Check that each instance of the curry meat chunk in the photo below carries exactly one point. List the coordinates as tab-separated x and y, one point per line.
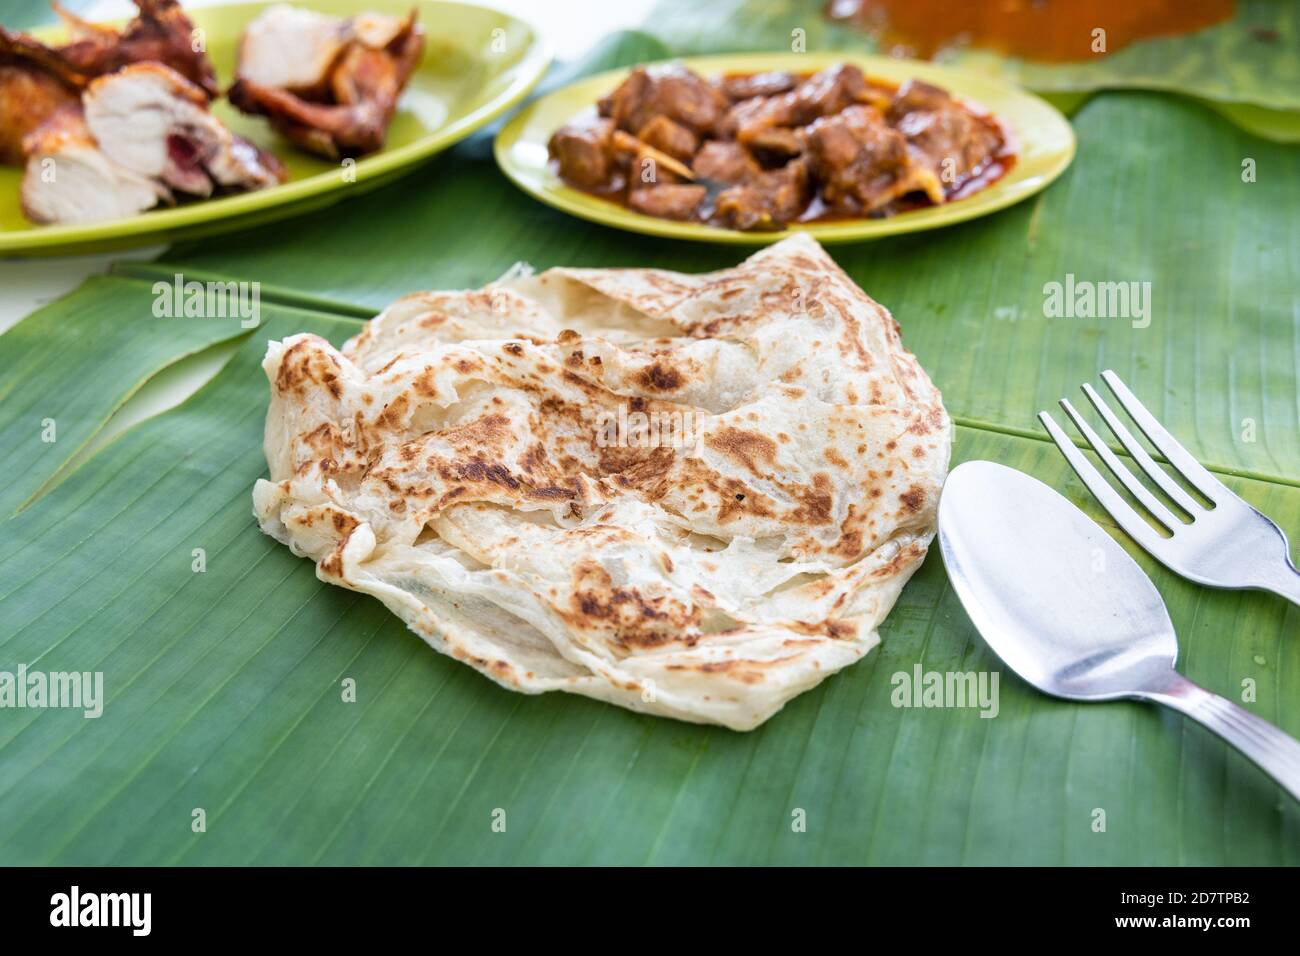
585	153
725	161
822	94
746	86
940	128
754	152
672	91
769	200
669	137
668	201
864	164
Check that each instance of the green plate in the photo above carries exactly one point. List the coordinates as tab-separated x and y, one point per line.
477	64
1044	137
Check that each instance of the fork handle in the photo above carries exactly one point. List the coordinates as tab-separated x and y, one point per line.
1275	752
1284	579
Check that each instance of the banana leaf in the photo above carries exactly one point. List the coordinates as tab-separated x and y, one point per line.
58	391
223	693
224	686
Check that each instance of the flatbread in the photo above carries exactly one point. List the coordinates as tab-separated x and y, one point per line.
476	461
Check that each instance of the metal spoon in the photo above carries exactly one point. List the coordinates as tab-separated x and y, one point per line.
1068	610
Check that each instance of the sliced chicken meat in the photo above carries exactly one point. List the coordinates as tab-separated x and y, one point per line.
138	137
149	119
70	180
291	49
331	85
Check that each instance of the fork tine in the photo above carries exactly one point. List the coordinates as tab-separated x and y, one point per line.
1119	509
1135	487
1177	455
1139	454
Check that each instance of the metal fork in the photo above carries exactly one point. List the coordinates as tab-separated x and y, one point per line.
1227	545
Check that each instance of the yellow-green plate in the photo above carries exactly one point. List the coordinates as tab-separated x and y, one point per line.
1044	137
477	63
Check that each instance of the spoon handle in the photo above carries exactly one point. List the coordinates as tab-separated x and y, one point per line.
1276	753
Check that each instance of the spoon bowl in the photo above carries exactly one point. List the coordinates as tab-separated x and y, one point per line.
1054	595
1068	610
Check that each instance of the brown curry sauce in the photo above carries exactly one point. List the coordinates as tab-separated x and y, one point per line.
1053	31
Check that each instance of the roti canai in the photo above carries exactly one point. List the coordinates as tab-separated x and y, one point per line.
689	495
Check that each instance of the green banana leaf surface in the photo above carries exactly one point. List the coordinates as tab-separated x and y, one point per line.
223	686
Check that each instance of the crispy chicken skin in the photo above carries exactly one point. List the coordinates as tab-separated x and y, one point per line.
759	151
35	83
333	89
28	97
160	33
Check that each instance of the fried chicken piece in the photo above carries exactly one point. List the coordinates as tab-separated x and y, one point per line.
28	98
151	120
291	49
330	85
137	137
35	83
863	164
37	80
160	33
70	180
